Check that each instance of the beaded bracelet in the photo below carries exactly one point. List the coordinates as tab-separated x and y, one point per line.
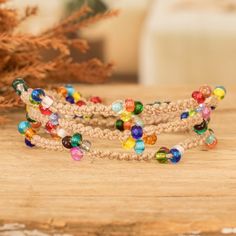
67	116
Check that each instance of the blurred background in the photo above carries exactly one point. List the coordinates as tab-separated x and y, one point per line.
155	41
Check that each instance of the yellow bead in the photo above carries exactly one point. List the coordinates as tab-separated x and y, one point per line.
219	92
126	116
192	113
76	96
129	143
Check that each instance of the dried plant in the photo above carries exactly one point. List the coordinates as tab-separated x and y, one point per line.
22	55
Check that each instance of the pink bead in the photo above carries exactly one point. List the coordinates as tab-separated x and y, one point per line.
76	153
206	113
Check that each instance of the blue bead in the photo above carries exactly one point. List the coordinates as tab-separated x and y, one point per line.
23	126
70	99
36	93
176	155
28	143
139	147
137	132
184	115
70	89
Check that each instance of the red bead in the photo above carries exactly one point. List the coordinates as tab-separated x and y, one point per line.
44	111
50	127
96	100
198	96
80	103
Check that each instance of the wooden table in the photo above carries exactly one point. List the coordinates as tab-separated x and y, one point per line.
47	192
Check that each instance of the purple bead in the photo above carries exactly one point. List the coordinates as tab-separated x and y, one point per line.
70	99
137	132
28	143
76	153
54	118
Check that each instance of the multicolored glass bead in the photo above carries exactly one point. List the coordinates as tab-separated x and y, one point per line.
23	126
76	153
139	146
37	95
211	141
137	132
70	99
161	155
219	92
129	143
129	105
184	115
176	155
206	91
70	90
120	125
200	128
117	107
150	139
28	143
76	140
95	100
44	111
29	133
19	86
66	142
198	96
138	108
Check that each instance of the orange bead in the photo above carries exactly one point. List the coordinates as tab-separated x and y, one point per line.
205	90
129	105
35	125
29	133
127	125
150	139
62	91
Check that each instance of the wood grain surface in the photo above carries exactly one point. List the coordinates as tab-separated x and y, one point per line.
46	193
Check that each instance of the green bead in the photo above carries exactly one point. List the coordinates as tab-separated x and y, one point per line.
76	140
201	128
29	119
161	155
138	107
120	125
19	86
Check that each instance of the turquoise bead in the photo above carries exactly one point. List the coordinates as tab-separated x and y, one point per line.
23	126
70	90
117	107
76	140
139	147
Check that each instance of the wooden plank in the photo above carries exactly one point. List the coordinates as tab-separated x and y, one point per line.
49	192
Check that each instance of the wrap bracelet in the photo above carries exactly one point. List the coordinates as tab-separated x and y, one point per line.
60	119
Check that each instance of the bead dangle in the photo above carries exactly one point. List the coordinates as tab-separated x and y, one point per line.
59	121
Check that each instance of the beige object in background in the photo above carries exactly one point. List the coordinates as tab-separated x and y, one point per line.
192	44
121	35
49	13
